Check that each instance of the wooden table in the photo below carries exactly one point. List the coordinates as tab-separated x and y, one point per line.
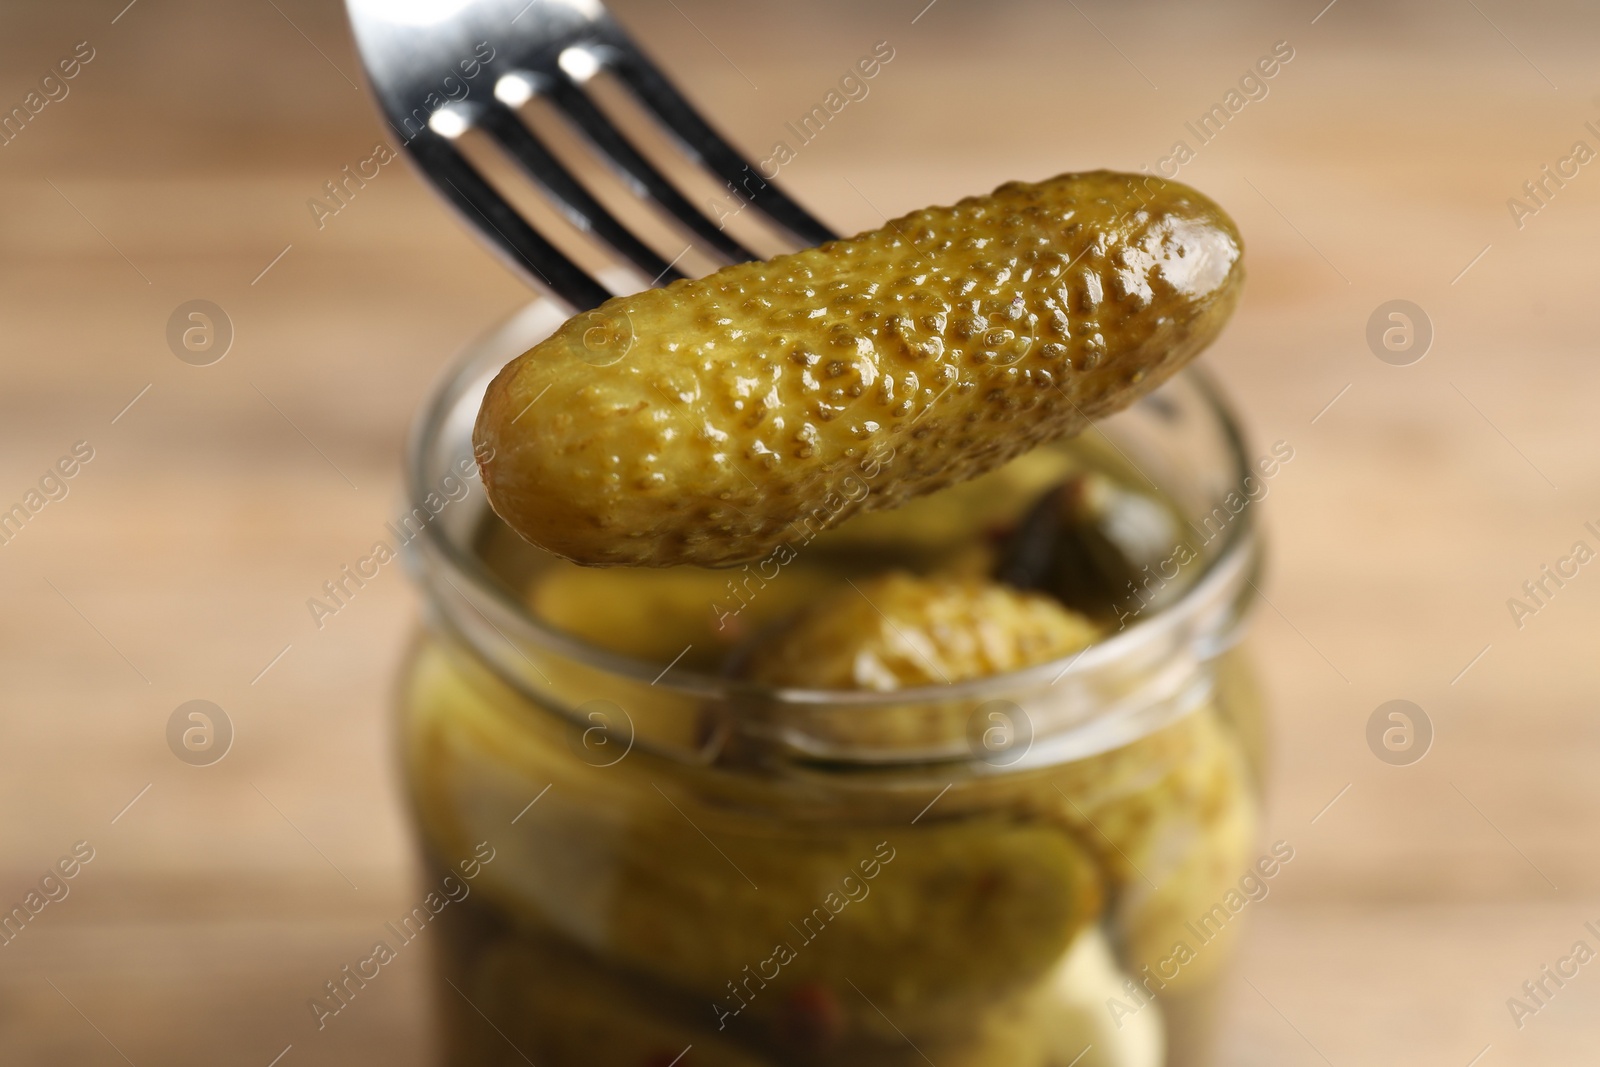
1377	167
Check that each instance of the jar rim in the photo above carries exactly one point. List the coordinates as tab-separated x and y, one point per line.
1235	563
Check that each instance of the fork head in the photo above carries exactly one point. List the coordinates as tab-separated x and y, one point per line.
442	67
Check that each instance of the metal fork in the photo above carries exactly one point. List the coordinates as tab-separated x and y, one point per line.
441	67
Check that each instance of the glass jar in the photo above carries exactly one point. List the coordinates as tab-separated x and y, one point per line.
637	861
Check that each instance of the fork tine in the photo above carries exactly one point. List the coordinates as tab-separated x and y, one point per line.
584	211
649	181
499	222
661	97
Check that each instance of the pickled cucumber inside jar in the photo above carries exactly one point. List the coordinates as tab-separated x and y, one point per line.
712	887
1170	817
811	944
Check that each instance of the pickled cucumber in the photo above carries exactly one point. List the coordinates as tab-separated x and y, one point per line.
1173	818
655	615
708	421
645	866
897	631
953	915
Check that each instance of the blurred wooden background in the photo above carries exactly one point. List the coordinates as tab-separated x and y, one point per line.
1378	167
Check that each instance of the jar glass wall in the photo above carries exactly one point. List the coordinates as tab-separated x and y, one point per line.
651	861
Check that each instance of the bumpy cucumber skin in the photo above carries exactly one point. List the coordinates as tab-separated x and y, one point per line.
898	631
710	421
